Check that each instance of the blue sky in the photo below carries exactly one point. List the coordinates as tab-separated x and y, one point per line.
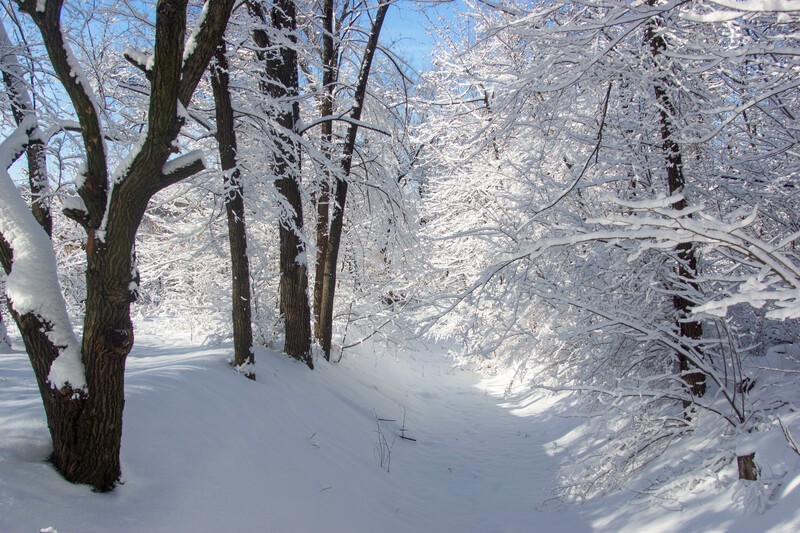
406	28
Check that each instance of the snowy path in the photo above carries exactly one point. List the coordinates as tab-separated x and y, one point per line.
205	450
476	466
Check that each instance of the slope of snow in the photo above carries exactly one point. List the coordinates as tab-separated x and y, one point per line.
206	450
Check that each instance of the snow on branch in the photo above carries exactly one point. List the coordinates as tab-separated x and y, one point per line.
760	6
653	224
182	167
32	284
184	161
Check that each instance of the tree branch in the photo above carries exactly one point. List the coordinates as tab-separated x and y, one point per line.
201	44
94	189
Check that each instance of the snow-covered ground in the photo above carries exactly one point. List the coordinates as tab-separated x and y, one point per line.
206	450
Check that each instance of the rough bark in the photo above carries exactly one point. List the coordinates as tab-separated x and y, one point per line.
340	198
86	429
686	268
234	207
282	84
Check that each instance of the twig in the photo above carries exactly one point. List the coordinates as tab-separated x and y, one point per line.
792	443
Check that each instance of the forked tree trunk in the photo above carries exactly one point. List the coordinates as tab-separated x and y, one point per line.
86	429
86	425
281	83
340	198
234	207
686	269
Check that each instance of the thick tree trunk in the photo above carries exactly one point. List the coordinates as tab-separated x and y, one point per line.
337	216
234	207
686	268
282	84
86	426
85	429
107	341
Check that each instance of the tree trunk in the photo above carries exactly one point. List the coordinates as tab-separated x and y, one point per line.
234	207
85	429
5	342
337	217
282	84
86	426
747	467
322	201
690	330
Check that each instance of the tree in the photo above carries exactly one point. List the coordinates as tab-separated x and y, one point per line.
234	208
687	267
590	159
22	108
84	405
280	82
331	259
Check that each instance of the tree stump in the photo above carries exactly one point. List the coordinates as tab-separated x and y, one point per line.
747	467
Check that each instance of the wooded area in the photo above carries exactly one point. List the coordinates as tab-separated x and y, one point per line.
601	195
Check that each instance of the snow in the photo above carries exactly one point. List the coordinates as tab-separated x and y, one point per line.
182	161
760	6
206	450
32	286
191	41
141	58
74	203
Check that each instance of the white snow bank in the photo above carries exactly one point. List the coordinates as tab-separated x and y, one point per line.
207	450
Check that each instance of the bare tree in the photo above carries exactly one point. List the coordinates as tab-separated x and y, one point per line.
330	263
85	419
281	82
234	207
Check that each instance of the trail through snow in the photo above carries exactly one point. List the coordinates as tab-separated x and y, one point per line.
206	450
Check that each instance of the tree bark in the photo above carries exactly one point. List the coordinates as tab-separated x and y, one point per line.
747	467
686	268
337	216
322	200
234	207
282	84
86	426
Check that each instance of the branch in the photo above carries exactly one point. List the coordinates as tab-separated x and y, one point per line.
343	118
94	188
181	168
140	61
201	44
